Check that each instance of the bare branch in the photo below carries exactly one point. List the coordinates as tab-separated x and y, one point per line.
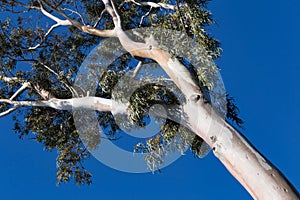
10	79
145	15
100	17
69	87
71	22
2	114
58	21
153	5
87	103
51	70
43	93
44	37
20	90
118	22
137	69
77	13
65	22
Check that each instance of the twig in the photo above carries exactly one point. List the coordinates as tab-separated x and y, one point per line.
137	69
77	13
72	90
145	15
100	17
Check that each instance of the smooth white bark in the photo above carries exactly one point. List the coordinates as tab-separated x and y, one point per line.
259	177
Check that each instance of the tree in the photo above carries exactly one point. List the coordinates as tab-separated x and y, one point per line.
37	82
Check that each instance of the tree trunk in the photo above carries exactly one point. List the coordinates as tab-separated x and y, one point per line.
257	175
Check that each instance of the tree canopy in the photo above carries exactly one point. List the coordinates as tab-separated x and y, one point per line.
43	44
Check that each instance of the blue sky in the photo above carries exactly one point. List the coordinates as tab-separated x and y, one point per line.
260	67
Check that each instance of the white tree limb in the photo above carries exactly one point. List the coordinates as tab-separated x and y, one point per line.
10	79
87	103
58	21
77	13
137	69
153	4
43	93
100	17
145	15
7	112
258	176
20	90
69	22
61	22
44	37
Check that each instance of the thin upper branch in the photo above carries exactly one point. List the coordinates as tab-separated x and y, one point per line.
69	22
44	37
7	112
69	87
20	90
153	4
85	28
137	69
59	22
99	18
42	92
77	13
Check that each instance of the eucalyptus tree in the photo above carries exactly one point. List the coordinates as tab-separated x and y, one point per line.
39	63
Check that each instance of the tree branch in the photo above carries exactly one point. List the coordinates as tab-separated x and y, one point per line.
43	93
71	22
20	90
67	22
153	5
7	112
87	103
44	37
58	21
100	17
145	15
69	87
77	13
10	79
137	69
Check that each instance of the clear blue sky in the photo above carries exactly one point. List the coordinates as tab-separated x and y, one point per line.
260	68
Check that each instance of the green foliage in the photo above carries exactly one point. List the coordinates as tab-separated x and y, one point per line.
63	51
